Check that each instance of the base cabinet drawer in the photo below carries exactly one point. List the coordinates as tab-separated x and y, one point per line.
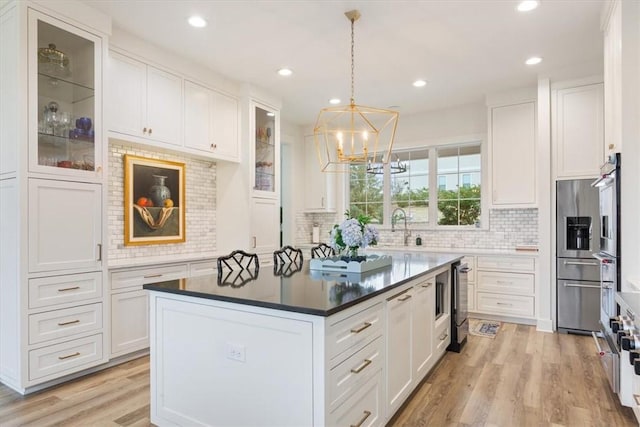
142	276
508	305
64	323
65	358
363	408
442	335
203	268
355	330
51	291
506	263
512	283
349	375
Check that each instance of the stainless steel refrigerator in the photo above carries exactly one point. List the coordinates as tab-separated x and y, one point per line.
578	273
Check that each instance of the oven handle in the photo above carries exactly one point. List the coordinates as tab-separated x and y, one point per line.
595	339
576	285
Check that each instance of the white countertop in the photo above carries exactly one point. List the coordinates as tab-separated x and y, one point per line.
465	251
139	262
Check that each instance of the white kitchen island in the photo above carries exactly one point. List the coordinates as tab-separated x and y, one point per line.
311	349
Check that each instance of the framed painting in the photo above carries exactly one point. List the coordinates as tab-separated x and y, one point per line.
154	201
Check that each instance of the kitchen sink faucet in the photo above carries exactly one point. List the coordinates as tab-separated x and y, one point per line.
407	232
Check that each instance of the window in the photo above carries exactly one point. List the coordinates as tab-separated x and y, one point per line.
459	204
410	189
365	190
441	186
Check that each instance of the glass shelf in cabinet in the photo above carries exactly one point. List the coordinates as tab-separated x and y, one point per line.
63	90
54	140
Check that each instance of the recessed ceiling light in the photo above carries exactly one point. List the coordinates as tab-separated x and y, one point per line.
334	101
533	60
270	114
528	5
197	21
419	83
285	72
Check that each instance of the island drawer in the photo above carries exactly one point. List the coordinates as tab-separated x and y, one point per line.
348	376
66	322
354	331
65	358
203	268
508	305
363	408
511	283
141	276
50	291
442	334
506	263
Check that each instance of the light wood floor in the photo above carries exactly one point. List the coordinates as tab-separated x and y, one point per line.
520	378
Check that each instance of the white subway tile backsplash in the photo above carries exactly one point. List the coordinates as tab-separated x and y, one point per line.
507	229
200	196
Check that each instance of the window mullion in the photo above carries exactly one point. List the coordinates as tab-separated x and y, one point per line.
433	188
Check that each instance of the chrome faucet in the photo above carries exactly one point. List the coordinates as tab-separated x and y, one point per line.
407	232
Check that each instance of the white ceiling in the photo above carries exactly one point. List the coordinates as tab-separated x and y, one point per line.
464	49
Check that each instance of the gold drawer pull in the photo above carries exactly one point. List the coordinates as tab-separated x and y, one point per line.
77	353
404	298
505	282
366	415
359	369
151	276
443	336
637	399
71	322
73	288
361	328
428	285
504	303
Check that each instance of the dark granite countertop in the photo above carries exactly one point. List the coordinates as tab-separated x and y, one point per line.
307	291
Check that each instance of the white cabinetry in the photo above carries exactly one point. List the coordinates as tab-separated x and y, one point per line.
144	101
320	186
130	305
613	80
578	131
423	315
512	155
506	286
211	122
76	240
399	349
264	228
52	303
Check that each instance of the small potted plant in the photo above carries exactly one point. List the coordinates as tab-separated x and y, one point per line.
351	235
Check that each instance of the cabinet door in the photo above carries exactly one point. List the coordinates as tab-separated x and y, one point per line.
126	95
164	106
197	117
513	154
65	100
129	322
399	369
265	225
224	131
321	184
579	131
65	225
266	151
423	317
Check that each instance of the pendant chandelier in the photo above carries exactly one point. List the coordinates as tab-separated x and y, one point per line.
354	134
394	167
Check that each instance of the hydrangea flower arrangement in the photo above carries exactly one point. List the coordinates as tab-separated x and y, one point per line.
352	234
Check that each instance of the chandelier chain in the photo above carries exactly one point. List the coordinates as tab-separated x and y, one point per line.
352	62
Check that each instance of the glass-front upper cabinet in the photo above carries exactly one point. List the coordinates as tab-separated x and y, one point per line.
65	119
266	151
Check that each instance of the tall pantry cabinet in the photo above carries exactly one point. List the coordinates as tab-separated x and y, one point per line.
52	193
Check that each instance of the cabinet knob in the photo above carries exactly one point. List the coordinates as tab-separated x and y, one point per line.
611	146
214	146
150	130
144	130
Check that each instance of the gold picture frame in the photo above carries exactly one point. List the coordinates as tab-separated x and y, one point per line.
147	183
